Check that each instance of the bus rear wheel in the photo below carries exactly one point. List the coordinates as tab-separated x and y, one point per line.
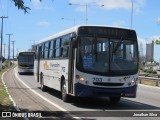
43	87
65	97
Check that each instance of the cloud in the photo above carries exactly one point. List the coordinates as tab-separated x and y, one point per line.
42	23
81	9
153	38
119	23
115	4
112	4
142	45
158	21
141	41
38	5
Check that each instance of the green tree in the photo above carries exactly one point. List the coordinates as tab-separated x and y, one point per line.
21	5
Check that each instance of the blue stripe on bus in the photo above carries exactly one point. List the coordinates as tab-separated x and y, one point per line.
88	91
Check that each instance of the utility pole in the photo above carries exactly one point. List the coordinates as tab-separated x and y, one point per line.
9	47
4	50
131	14
13	49
2	36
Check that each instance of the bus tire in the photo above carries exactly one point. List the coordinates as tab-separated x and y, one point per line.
65	97
114	99
43	87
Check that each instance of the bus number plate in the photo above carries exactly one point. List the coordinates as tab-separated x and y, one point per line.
97	79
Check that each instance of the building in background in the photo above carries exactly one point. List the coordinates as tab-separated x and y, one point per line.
150	52
141	49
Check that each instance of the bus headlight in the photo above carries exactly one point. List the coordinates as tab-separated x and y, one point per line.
133	82
81	78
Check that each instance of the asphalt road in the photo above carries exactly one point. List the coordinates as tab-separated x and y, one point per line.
27	95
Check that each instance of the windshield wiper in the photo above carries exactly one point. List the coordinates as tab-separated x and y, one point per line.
95	48
119	43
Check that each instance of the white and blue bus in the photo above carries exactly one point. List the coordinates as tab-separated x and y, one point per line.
26	62
89	61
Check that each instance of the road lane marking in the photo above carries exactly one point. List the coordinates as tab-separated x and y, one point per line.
133	102
62	109
10	97
52	103
154	87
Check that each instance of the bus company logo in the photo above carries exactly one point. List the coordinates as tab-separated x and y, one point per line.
46	65
54	65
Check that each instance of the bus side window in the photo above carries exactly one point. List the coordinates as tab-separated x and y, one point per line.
57	48
46	49
39	53
42	51
51	49
36	52
65	46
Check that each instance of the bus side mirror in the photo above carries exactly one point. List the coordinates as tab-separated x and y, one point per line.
74	42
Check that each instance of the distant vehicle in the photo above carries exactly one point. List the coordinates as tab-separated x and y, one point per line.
89	61
26	62
1	62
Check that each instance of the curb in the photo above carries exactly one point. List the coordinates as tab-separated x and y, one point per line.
10	97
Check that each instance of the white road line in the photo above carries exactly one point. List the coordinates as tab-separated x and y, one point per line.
14	104
62	109
154	87
52	103
134	102
10	97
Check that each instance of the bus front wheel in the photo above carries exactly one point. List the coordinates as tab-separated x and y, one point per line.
65	97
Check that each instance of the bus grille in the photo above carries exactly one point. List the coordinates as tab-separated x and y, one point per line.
108	84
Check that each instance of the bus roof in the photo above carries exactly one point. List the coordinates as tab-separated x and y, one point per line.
74	29
26	52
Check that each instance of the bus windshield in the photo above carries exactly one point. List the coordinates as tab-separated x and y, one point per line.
107	56
26	59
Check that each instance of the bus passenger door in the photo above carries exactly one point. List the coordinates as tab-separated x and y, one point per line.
38	61
71	67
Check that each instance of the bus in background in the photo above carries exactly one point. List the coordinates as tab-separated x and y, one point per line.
26	62
89	61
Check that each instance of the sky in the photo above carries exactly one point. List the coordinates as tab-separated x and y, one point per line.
51	16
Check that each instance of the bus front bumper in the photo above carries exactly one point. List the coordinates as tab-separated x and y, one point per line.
25	70
88	91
